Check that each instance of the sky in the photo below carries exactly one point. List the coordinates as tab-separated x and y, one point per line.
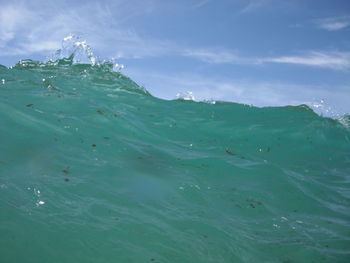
260	52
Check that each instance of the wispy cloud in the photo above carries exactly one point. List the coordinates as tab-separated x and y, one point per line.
216	56
254	4
37	28
201	3
12	19
332	60
333	23
335	60
27	28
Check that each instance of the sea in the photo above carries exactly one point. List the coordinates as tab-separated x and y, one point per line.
93	168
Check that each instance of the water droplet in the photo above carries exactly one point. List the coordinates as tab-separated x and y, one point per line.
187	95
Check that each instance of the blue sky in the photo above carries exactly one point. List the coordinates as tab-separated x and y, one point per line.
261	52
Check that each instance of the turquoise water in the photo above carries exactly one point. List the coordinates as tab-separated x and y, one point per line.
95	169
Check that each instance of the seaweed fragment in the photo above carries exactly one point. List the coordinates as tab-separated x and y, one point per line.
229	151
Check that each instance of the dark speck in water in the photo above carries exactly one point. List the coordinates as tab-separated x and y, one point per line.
229	151
29	105
66	179
253	203
65	171
93	145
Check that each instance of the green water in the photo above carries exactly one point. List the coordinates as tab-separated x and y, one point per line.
95	169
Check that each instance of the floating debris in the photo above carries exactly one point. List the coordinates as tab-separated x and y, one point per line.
229	151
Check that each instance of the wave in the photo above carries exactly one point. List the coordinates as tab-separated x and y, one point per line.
96	169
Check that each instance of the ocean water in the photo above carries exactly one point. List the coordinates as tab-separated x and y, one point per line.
95	169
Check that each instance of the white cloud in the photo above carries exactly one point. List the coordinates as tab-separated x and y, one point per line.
254	4
333	24
201	3
39	27
12	18
335	60
331	60
218	56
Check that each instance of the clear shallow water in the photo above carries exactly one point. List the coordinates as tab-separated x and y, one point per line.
95	169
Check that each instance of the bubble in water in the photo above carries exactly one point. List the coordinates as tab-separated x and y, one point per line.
40	203
118	66
68	38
